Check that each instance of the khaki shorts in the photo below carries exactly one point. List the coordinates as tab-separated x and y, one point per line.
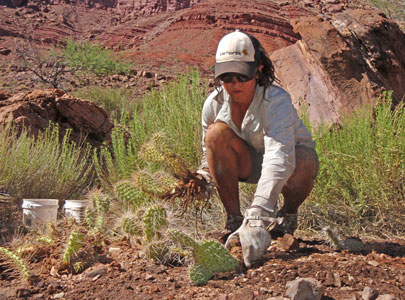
257	161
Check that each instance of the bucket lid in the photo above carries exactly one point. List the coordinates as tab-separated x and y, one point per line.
75	203
27	203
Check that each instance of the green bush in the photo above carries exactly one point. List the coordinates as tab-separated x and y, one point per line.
42	167
94	58
360	186
175	110
115	101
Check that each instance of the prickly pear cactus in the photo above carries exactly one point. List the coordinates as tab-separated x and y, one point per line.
209	257
154	220
130	194
99	201
150	154
157	250
90	216
182	239
158	150
199	275
177	166
75	242
16	261
131	226
166	180
342	243
217	258
147	183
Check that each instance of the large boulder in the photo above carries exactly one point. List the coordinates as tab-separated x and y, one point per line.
35	110
341	62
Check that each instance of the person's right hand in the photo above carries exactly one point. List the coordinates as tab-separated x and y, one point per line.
253	234
210	184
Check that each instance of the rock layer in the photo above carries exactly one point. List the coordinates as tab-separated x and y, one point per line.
330	55
35	110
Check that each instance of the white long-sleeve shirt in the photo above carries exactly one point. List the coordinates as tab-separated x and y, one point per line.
271	125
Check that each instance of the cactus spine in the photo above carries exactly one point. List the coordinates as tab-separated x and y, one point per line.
17	261
209	257
75	242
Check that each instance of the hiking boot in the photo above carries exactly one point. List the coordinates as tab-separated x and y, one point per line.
289	225
233	222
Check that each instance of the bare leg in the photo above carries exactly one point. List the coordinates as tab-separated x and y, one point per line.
301	182
228	159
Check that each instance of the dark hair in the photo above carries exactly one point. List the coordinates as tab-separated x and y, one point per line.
266	75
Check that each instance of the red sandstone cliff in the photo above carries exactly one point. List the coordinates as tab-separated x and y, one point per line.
328	54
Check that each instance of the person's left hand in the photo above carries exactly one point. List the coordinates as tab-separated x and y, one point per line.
253	234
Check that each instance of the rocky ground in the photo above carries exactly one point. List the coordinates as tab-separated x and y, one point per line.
163	41
119	270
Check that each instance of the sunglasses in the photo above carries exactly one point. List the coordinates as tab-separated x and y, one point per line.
227	77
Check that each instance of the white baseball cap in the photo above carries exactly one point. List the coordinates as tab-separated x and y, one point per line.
235	54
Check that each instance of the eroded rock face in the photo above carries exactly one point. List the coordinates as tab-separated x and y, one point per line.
330	55
34	110
342	62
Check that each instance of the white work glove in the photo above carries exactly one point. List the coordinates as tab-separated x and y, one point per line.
210	184
254	234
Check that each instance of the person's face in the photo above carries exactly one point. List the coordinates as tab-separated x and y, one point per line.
240	87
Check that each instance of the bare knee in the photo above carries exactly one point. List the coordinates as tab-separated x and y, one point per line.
218	134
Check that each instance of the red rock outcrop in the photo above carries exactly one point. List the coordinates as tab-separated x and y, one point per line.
35	110
342	62
331	54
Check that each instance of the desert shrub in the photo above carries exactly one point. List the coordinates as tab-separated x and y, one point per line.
42	166
394	9
115	101
94	58
360	186
175	110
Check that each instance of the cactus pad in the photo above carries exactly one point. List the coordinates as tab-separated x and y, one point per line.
131	226
75	242
130	194
154	220
199	275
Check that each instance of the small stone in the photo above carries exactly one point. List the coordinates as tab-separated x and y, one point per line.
387	297
96	277
369	293
59	295
304	288
373	263
97	272
288	242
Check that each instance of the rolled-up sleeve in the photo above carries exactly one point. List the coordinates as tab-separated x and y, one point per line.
279	153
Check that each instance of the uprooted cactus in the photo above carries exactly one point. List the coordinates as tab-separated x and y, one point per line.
158	150
130	195
189	188
209	257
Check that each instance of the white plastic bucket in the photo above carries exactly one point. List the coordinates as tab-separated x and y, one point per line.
39	211
75	209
